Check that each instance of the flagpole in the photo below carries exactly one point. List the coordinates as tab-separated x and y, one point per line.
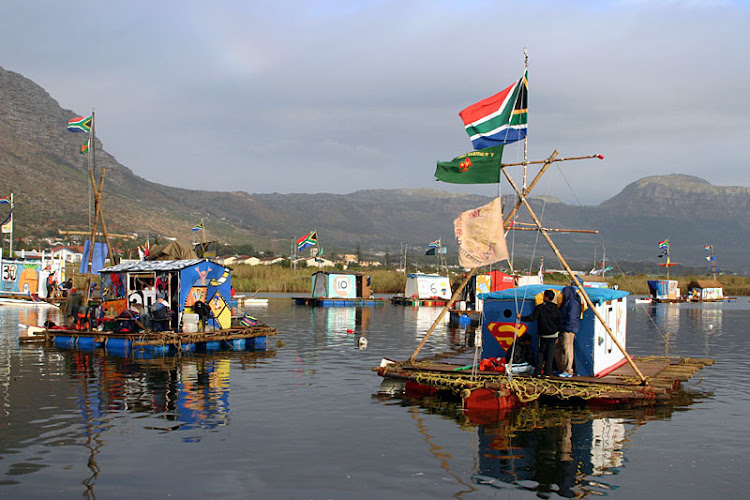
10	246
526	137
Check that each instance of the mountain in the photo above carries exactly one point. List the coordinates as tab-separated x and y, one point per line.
41	165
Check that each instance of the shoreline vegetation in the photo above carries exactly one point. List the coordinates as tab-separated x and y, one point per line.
253	280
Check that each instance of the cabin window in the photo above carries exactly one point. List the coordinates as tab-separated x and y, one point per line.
507	313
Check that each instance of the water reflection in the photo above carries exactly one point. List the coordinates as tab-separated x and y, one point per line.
569	451
186	394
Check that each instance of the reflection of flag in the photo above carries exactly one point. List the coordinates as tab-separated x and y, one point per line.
80	124
307	240
477	167
499	119
480	236
197	227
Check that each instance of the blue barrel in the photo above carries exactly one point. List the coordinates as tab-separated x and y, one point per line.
236	344
118	344
257	343
464	320
64	341
213	345
187	347
87	343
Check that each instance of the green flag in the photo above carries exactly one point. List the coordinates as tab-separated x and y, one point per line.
478	167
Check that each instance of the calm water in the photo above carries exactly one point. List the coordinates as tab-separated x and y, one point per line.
304	420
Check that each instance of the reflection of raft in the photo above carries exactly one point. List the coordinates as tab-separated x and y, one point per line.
253	337
495	391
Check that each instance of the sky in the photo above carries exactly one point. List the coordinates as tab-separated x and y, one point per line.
339	96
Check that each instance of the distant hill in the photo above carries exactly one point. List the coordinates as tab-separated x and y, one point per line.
40	163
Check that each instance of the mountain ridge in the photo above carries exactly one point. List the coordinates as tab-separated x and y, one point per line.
40	163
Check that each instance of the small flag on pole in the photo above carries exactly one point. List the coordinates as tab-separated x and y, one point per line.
435	243
664	243
476	167
80	124
198	227
5	200
307	240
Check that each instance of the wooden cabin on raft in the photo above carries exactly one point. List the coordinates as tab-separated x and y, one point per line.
340	288
424	290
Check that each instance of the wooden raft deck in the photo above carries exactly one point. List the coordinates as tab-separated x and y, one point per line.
663	374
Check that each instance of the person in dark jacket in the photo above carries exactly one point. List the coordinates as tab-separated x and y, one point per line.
547	317
570	315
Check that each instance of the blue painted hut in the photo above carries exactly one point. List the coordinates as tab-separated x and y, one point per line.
596	354
181	282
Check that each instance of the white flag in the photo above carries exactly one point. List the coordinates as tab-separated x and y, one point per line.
480	235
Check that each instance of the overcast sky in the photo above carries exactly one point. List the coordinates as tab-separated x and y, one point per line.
338	96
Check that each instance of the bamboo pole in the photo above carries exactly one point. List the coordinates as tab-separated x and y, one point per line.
551	230
542	170
575	279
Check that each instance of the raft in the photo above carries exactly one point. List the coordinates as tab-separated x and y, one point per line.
493	391
254	338
338	302
400	300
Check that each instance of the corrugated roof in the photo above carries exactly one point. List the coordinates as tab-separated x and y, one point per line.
704	284
153	265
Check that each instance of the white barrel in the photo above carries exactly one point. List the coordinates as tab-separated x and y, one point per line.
189	323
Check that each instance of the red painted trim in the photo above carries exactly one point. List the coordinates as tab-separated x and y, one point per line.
612	368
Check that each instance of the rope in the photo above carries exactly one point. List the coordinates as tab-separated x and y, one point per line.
663	334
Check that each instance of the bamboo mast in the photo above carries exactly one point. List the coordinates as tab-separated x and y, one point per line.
575	279
546	163
525	137
98	214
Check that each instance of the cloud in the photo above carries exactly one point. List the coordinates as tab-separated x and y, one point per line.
341	96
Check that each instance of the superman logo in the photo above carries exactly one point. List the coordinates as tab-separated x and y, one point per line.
504	333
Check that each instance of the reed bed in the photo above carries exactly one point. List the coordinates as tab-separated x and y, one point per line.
286	280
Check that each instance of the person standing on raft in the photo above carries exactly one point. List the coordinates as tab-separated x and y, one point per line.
547	316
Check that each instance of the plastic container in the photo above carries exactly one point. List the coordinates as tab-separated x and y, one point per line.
189	323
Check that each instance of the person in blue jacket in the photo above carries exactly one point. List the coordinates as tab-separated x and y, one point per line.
570	315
